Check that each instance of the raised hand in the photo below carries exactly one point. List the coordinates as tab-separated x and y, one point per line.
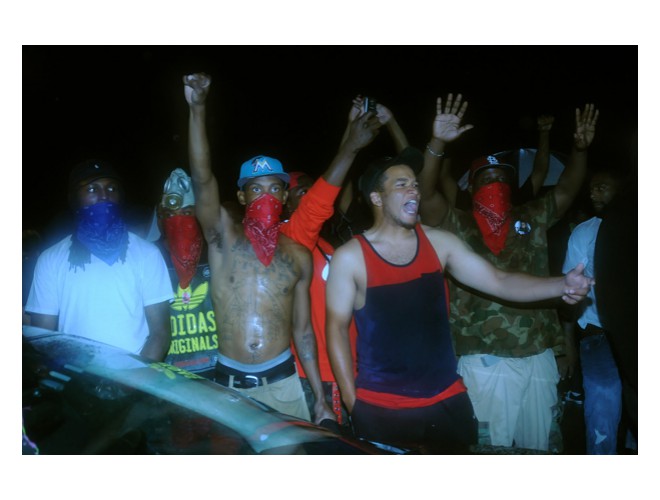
362	130
382	112
585	126
447	124
356	109
544	123
196	88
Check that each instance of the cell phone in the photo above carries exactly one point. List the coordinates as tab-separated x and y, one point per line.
369	104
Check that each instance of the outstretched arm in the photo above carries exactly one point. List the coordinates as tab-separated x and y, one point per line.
212	217
476	272
446	128
572	177
542	156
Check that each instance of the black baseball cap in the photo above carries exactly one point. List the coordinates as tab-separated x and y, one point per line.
89	170
489	161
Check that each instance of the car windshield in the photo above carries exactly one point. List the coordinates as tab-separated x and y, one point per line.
80	396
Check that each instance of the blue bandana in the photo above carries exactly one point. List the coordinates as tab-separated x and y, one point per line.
102	231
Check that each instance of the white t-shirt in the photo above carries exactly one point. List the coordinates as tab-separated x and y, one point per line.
101	302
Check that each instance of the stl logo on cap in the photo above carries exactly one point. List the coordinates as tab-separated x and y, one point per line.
492	160
260	165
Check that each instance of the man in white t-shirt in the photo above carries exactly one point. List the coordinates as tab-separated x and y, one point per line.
103	282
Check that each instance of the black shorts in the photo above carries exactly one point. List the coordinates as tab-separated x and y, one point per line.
449	426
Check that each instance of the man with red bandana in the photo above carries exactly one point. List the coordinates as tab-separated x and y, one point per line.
260	278
507	352
177	233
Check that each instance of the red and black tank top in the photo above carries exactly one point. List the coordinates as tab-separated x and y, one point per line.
405	356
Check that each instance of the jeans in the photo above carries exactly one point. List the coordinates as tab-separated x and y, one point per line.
602	395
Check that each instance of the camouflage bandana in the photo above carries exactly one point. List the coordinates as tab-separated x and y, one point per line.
491	206
184	240
102	231
262	226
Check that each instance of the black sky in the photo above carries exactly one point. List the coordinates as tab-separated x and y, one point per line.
126	104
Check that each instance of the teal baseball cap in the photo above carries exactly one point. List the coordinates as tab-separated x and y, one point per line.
260	166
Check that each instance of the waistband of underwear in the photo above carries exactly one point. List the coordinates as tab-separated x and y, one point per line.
269	368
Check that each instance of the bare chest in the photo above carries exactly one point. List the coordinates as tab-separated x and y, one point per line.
397	254
237	270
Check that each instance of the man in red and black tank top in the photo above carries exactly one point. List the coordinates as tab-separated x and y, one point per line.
391	280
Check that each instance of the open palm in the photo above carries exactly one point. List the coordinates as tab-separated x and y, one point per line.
585	126
447	124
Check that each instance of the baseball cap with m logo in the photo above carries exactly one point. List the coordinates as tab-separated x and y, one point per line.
260	166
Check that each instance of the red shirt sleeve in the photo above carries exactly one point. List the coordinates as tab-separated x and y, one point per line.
316	207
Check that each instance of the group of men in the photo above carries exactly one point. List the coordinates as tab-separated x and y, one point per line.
260	302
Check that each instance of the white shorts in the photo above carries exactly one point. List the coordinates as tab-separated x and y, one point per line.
513	397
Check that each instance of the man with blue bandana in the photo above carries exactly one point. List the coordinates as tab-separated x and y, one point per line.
103	282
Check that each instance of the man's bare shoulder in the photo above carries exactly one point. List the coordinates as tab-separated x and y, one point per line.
348	253
289	245
351	246
300	253
435	232
348	269
443	241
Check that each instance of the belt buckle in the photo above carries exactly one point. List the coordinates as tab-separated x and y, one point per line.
251	381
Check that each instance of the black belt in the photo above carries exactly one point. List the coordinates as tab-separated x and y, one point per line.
591	330
243	380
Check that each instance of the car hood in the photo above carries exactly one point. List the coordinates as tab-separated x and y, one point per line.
261	426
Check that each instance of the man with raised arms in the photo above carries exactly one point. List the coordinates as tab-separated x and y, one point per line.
259	278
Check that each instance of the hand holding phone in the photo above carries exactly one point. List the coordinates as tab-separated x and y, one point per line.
369	104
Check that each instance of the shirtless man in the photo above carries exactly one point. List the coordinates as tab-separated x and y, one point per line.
391	280
259	278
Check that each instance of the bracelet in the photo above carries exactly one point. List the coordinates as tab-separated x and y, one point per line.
437	155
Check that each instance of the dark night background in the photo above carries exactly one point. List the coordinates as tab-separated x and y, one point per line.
126	104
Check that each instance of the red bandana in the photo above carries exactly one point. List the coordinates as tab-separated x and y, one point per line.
491	205
184	240
262	226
